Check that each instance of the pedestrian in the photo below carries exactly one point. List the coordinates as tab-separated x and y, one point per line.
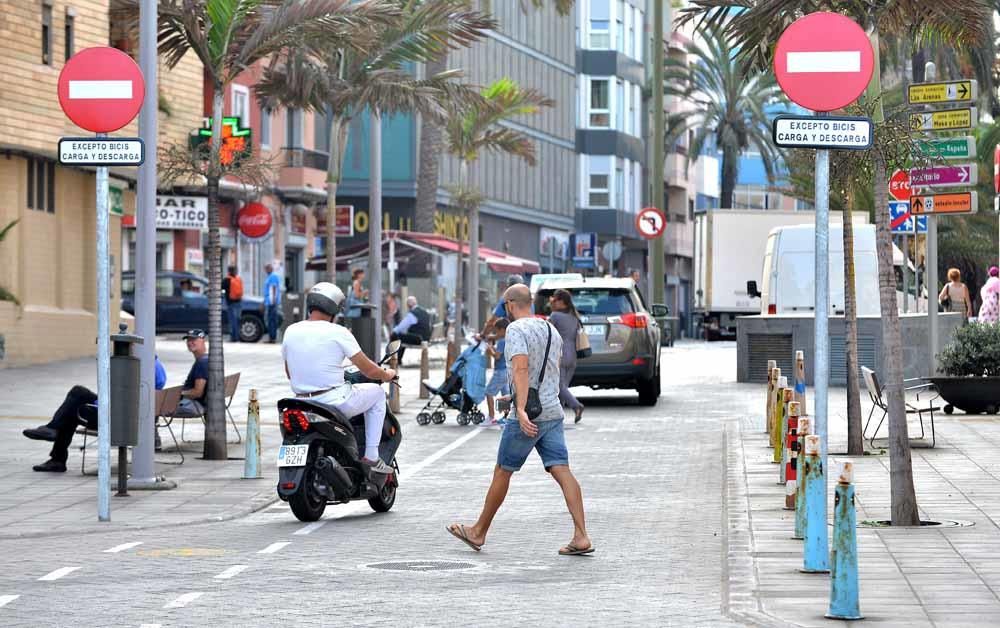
357	294
954	297
414	329
566	319
499	384
390	310
499	311
232	286
195	388
989	311
272	301
532	353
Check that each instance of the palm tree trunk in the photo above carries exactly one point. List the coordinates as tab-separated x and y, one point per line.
473	263
463	176
855	438
215	409
338	144
730	170
431	144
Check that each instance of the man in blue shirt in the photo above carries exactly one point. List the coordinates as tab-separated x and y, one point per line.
272	301
500	310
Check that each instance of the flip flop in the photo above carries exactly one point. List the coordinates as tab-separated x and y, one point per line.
463	537
572	550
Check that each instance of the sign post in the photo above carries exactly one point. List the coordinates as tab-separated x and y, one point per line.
101	90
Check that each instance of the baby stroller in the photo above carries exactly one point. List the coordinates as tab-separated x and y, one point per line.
464	389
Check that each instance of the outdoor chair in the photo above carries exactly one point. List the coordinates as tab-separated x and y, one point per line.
230	384
874	387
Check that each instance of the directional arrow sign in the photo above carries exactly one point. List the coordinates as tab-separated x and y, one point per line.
944	176
944	120
950	148
949	91
958	203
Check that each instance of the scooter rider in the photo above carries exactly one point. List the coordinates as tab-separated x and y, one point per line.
314	351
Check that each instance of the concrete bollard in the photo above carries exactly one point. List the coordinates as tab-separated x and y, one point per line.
805	425
790	454
800	381
771	365
779	413
251	463
815	550
393	388
844	603
425	369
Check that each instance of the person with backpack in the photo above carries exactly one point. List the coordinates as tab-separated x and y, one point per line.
232	287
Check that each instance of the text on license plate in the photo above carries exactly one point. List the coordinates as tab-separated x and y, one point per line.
292	455
594	330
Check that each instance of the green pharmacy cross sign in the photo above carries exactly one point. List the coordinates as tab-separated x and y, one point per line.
236	141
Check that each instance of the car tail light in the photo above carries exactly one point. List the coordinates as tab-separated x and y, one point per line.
772	309
635	320
639	361
295	418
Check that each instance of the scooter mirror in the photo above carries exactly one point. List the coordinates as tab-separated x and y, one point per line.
393	348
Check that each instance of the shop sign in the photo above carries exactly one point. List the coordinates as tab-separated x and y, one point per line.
195	257
548	236
584	250
345	222
182	212
254	220
451	225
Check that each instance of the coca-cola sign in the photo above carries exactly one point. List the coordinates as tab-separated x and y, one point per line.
254	220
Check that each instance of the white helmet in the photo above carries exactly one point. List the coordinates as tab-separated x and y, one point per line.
324	297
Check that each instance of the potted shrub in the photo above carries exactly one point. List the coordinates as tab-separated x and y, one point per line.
972	365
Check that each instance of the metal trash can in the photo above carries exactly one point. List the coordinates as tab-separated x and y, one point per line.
124	389
364	329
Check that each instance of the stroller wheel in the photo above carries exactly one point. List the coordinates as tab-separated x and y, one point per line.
423	418
478	418
438	417
463	418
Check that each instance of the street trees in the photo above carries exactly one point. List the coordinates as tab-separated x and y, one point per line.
730	104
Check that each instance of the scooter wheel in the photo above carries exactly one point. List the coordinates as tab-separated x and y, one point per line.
423	418
438	417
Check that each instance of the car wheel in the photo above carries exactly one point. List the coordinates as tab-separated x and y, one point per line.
251	328
649	391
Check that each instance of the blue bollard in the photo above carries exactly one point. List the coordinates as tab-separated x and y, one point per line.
815	550
800	487
844	555
251	464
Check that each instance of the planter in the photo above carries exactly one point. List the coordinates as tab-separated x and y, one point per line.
972	395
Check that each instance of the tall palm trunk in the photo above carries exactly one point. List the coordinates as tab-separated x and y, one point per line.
431	145
339	128
215	409
855	438
473	262
730	171
463	177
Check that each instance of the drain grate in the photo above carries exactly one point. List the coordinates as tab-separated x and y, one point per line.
422	565
884	524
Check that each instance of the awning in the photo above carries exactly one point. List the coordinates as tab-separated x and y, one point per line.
498	261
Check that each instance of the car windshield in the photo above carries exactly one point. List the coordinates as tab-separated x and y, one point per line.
591	301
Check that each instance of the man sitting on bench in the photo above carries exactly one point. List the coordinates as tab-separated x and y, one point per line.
415	327
195	387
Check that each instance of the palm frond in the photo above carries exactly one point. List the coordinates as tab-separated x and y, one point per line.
6	230
431	29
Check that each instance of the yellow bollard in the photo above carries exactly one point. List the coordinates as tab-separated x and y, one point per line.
425	370
775	376
771	365
781	391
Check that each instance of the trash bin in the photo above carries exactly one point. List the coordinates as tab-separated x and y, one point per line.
363	327
291	311
124	389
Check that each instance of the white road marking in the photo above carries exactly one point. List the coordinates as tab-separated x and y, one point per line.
839	61
235	570
92	90
184	600
122	547
409	472
150	625
58	573
274	547
7	599
309	529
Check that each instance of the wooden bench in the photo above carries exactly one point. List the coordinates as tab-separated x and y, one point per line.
874	387
230	385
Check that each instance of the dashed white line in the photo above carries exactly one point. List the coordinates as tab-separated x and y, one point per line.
150	625
58	573
122	547
7	599
184	600
274	547
312	527
232	571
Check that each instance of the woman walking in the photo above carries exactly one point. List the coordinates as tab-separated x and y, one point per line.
955	294
989	311
357	294
566	320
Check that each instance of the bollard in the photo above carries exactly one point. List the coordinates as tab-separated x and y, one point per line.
771	365
778	412
251	464
800	381
805	425
790	467
815	551
844	602
425	370
393	387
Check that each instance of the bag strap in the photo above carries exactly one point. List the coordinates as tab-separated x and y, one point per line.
545	362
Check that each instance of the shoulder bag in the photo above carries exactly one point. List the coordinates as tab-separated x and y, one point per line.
533	407
582	342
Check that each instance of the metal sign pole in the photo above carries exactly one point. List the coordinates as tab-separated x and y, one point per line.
821	369
930	74
103	350
906	268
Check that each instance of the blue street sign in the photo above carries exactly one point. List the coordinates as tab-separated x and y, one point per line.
584	248
901	220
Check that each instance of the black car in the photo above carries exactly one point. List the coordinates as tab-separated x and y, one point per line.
182	304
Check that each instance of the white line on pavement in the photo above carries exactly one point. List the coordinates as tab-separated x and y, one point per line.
232	571
150	625
409	472
312	527
122	547
274	547
7	599
58	573
184	600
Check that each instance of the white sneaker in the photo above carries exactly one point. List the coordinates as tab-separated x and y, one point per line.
379	466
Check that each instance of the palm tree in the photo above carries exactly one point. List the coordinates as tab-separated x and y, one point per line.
345	80
729	105
470	131
228	36
7	295
755	30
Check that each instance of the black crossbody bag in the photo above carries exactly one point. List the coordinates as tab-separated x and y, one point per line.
533	407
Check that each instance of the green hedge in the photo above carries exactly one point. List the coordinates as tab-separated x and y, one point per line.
974	352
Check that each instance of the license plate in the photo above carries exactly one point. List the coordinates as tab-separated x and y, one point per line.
293	455
594	330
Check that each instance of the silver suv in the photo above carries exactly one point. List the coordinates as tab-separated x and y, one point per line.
624	335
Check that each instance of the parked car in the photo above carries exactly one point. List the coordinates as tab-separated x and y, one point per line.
624	335
182	304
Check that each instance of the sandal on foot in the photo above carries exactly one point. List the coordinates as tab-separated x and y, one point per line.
572	550
460	534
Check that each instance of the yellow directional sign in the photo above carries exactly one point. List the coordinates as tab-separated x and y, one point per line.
946	120
949	91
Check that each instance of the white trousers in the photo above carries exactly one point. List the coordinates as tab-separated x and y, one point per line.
367	399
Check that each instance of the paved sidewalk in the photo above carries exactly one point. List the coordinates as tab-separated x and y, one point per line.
36	504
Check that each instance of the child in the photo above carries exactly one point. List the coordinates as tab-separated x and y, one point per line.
498	384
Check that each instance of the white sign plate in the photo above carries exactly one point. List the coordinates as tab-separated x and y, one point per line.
105	151
182	212
822	132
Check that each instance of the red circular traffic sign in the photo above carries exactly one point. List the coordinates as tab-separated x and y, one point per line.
899	185
101	89
254	220
650	223
823	61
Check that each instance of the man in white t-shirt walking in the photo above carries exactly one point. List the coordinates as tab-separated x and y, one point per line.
315	350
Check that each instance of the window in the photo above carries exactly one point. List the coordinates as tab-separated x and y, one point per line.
641	39
620	184
620	105
631	120
47	34
599	181
70	34
630	43
293	134
634	201
637	109
42	185
321	132
51	180
600	103
265	128
600	24
620	26
241	104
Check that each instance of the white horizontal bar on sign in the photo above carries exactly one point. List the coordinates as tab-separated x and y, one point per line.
840	61
100	90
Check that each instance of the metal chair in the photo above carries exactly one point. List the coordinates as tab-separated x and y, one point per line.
878	402
230	384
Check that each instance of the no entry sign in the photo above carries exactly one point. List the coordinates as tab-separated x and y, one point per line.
101	89
650	223
899	185
823	61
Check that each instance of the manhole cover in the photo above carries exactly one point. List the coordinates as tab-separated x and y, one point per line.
422	565
885	524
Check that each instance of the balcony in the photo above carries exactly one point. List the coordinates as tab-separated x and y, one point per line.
305	158
675	170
